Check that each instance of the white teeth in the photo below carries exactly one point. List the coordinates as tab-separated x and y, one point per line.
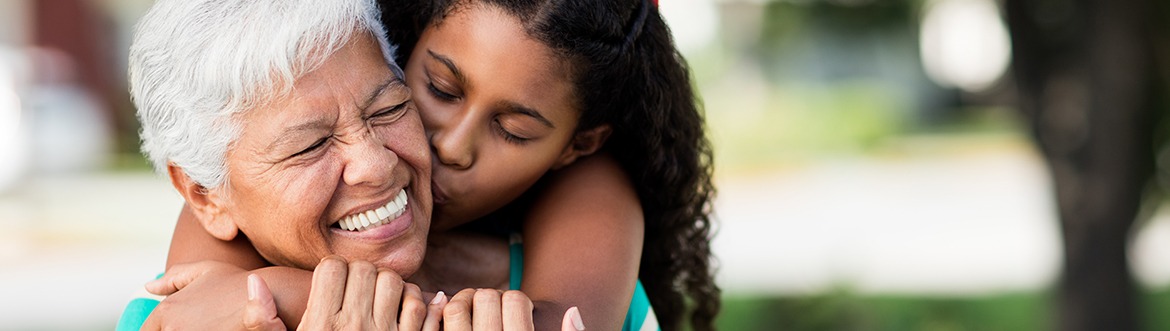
365	221
374	219
377	216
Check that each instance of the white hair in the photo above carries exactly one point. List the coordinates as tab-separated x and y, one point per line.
196	64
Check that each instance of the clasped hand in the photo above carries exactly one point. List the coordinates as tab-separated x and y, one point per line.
347	296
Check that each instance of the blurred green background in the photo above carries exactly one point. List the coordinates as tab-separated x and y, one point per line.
875	169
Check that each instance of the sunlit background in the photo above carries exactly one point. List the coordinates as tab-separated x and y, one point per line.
872	171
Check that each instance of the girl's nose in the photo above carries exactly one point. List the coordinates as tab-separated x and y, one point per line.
454	145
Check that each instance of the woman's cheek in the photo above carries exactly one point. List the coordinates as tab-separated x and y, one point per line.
407	139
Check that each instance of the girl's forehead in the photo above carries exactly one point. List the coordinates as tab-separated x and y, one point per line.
492	53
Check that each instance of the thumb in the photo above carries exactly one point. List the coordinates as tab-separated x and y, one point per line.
175	279
572	320
260	312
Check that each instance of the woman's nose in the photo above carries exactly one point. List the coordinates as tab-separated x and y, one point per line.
369	163
454	146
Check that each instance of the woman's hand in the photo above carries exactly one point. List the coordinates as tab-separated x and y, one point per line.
493	310
358	296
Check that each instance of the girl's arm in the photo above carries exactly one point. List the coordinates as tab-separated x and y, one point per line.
191	243
214	294
583	245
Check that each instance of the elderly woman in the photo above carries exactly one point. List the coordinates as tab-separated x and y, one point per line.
287	122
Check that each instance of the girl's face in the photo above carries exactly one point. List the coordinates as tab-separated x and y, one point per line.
497	107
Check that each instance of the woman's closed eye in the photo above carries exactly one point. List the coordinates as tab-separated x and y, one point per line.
391	113
316	146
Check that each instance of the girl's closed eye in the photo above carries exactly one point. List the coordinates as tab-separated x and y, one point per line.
437	93
508	135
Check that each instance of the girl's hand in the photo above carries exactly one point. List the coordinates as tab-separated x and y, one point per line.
179	276
358	296
494	310
210	297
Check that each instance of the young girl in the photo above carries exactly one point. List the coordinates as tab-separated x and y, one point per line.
576	117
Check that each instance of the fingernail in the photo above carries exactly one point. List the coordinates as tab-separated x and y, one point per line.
253	286
438	298
575	315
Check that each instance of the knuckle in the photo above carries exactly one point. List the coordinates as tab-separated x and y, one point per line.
486	294
331	264
456	310
411	287
362	268
413	307
513	297
387	275
464	295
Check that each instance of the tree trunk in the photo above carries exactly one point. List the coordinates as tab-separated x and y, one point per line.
1088	84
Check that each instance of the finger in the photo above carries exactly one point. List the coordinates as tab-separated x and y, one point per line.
387	294
457	313
176	279
517	311
435	312
485	314
260	312
572	320
327	292
414	311
359	291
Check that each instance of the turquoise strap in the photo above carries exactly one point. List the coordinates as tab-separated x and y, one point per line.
516	262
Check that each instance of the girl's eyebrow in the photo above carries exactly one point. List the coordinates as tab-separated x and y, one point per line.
450	65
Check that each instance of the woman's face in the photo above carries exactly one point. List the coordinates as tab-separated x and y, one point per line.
497	106
343	146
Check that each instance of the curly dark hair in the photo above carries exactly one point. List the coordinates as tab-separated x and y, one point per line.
628	74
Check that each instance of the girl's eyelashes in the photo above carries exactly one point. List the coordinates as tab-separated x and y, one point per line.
439	93
508	136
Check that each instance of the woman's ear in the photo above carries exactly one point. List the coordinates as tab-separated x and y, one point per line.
584	143
208	207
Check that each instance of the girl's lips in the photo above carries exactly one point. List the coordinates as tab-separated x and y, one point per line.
437	194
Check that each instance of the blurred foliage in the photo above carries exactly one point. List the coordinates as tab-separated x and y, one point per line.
846	311
825	78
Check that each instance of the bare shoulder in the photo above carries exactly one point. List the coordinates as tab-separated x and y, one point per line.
597	181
